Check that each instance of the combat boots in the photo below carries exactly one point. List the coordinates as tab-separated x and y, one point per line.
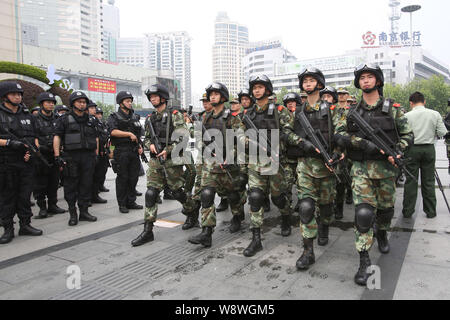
307	257
364	262
383	242
204	238
73	220
54	209
255	245
97	199
27	230
339	211
43	213
223	205
191	219
145	236
8	235
323	234
86	216
285	225
235	223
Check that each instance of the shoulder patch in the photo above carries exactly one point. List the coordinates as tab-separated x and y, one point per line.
175	111
234	114
332	107
396	105
280	108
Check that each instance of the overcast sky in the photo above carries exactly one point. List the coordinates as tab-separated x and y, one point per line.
308	29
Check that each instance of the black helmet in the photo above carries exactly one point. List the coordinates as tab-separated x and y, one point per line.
244	93
91	104
76	96
262	79
98	110
122	95
313	72
292	96
45	96
158	89
9	87
331	91
35	109
372	68
218	87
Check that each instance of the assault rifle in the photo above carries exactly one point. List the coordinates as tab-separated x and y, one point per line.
379	138
154	139
319	142
34	151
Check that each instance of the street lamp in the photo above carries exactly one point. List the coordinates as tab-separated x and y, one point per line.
411	9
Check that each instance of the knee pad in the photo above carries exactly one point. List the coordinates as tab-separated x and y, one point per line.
234	198
256	199
326	210
207	197
307	208
279	201
150	197
180	195
364	216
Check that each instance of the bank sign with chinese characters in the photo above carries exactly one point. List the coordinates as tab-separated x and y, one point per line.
393	39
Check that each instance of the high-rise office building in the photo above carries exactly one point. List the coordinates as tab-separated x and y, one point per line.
161	51
231	40
10	48
111	31
72	26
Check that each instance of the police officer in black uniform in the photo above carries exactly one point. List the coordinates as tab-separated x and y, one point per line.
101	161
77	132
60	110
16	169
125	130
46	180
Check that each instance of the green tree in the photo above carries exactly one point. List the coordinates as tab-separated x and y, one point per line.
108	109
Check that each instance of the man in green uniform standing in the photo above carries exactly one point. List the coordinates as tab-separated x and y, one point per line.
426	124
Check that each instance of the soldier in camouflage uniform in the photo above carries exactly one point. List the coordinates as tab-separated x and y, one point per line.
316	182
217	176
329	94
263	182
291	101
303	96
342	189
165	122
373	174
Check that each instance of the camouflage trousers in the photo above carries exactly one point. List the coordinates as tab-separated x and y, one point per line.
157	179
189	177
274	186
290	176
323	192
380	194
198	182
224	186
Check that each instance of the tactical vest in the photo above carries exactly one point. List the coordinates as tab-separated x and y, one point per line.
128	125
102	130
379	117
163	126
45	130
320	120
221	123
79	136
20	124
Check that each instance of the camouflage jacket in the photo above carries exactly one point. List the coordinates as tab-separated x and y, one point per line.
178	123
378	169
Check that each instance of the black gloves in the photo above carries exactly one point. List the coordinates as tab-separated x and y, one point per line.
15	145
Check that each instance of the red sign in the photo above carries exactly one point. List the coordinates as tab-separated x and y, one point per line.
369	38
99	85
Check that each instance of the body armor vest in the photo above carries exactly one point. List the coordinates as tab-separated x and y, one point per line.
130	124
221	123
379	117
163	126
45	131
79	136
20	124
320	120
